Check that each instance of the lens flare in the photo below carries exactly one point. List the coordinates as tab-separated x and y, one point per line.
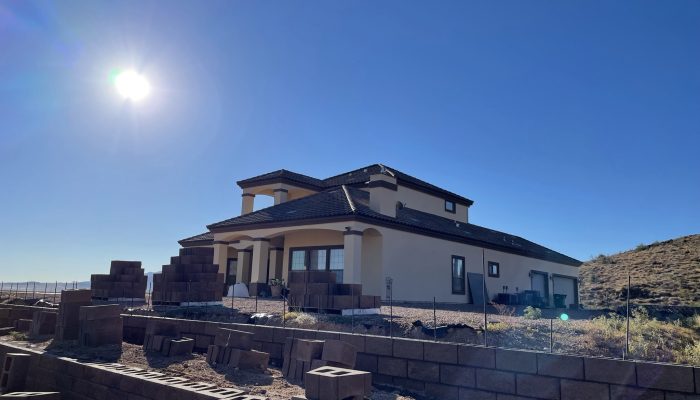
131	85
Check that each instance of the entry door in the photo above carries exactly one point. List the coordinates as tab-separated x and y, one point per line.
538	281
231	267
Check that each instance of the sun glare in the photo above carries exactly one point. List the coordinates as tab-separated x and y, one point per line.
131	85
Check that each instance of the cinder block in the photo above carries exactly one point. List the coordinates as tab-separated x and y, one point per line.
32	395
330	383
628	392
249	359
537	386
379	345
234	338
423	371
43	323
14	372
560	366
442	392
515	360
677	378
76	296
180	347
697	379
392	366
472	394
108	311
440	352
366	362
495	381
407	348
457	375
609	371
23	325
357	341
307	350
477	356
339	352
579	390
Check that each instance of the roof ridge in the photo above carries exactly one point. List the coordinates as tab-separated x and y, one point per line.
349	199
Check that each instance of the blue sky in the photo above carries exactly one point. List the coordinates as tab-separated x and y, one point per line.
573	124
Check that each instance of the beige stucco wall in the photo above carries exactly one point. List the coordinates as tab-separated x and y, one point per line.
421	267
307	238
428	203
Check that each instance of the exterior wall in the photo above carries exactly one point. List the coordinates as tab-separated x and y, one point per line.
421	267
430	204
308	238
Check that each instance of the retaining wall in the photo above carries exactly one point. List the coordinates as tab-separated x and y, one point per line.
455	371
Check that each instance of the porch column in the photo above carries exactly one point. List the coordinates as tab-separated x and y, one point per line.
248	203
276	256
353	257
221	255
242	271
280	195
261	249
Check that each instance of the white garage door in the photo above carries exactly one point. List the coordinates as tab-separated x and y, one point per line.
567	286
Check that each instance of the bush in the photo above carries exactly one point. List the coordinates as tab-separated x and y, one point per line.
532	313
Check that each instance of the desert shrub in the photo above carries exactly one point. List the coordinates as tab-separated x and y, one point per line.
18	335
504	310
304	319
499	326
690	354
641	247
532	313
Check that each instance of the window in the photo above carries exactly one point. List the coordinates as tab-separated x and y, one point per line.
329	258
494	269
458	286
450	206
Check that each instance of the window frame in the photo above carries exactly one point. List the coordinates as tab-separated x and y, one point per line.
307	257
454	206
498	269
464	274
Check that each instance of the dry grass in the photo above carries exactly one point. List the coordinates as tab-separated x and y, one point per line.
663	273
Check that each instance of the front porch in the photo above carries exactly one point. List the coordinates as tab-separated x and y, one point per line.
254	258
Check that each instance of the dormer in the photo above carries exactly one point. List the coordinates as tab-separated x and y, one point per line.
283	185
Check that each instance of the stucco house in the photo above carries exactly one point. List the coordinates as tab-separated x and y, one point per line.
374	225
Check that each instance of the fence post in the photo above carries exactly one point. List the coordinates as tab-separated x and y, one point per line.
352	319
26	290
46	288
625	354
55	290
391	312
483	294
2	286
434	322
284	310
551	335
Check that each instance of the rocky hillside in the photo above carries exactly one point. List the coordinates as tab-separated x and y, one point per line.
663	273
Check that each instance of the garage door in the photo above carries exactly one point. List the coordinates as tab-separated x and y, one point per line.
567	286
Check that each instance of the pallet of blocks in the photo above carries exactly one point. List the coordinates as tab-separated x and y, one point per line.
235	349
67	320
318	290
100	325
126	281
303	355
190	278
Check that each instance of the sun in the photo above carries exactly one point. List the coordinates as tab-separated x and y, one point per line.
131	85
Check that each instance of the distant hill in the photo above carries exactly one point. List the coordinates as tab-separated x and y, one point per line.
663	273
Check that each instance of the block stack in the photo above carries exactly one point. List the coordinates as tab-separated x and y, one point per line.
43	323
235	349
100	325
159	334
191	277
301	356
67	321
23	325
126	282
318	290
333	383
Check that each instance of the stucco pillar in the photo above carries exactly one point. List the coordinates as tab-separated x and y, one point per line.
221	255
353	257
248	202
242	271
276	256
281	195
261	248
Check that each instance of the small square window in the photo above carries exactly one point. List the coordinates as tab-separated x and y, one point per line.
450	206
494	269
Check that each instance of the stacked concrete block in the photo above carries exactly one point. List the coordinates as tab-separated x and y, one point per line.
191	277
23	325
333	383
235	349
159	333
14	372
100	325
67	321
5	320
178	347
302	355
43	323
318	290
126	282
32	395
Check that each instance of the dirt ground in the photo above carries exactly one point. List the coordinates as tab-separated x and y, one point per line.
271	383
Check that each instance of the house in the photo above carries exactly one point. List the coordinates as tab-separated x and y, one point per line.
376	225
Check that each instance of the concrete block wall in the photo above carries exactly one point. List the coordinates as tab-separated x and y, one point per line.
457	371
86	381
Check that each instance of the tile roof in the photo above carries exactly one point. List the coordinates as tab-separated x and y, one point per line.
336	203
202	237
351	178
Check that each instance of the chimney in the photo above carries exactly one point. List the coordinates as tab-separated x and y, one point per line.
382	193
